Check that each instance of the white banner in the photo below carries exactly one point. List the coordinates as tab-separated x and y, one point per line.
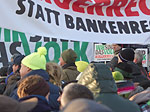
105	21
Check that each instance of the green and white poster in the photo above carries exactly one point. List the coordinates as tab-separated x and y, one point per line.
103	52
145	57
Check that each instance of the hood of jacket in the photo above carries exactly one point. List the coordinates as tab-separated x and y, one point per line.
125	74
41	103
98	78
125	69
39	72
136	72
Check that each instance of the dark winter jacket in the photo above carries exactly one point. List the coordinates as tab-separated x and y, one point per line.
42	104
12	73
98	78
2	88
143	71
2	84
11	84
138	77
70	72
125	69
54	90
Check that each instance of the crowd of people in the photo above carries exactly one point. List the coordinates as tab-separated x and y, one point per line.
30	84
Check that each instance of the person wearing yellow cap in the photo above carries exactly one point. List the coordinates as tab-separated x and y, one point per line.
34	61
35	64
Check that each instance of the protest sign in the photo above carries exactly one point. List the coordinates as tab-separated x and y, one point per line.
103	52
145	56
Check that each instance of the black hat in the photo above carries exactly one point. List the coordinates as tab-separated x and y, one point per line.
127	55
119	45
18	59
15	55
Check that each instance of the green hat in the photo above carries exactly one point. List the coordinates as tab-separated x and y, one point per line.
117	76
36	60
81	65
69	56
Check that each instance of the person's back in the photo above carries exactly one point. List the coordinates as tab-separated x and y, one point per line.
98	78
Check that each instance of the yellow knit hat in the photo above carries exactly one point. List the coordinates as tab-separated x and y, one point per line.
36	60
81	65
117	76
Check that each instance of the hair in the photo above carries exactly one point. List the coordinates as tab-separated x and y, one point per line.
139	56
74	91
33	85
55	72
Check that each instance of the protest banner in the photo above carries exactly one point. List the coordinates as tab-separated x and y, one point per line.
83	21
104	21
